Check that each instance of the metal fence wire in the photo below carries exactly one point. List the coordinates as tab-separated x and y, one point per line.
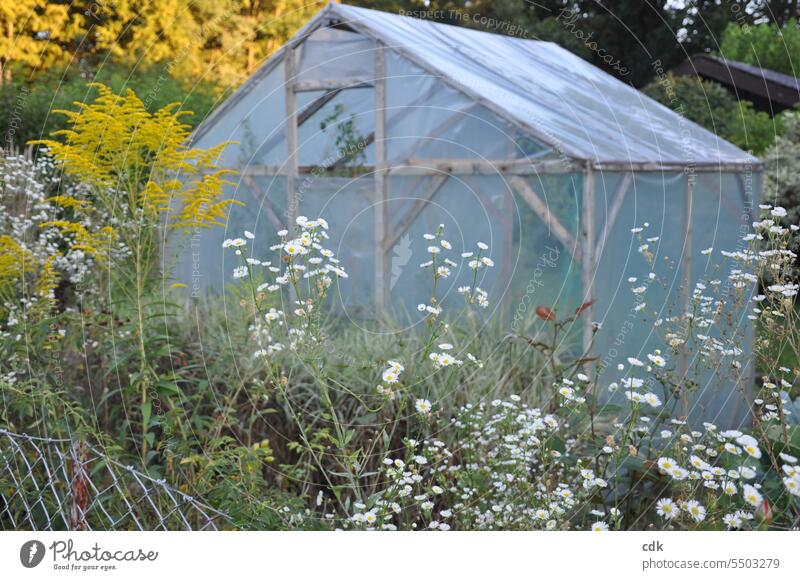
62	484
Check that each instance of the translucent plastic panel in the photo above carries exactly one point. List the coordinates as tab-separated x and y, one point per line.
331	53
720	220
203	265
657	203
475	133
255	121
470	213
532	266
654	202
426	118
545	268
347	205
339	131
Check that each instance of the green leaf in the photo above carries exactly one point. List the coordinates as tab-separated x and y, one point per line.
146	411
167	388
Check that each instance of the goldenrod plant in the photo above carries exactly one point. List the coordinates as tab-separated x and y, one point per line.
139	174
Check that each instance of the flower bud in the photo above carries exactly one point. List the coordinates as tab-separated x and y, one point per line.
545	313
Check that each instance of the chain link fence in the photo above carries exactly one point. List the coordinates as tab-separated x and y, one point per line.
63	484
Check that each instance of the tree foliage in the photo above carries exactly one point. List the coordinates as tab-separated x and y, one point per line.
713	107
766	45
27	104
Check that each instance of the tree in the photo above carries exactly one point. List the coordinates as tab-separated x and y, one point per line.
223	40
26	104
623	37
768	46
35	33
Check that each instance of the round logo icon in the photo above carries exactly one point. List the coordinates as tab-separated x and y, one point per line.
31	553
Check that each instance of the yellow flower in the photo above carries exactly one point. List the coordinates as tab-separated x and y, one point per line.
93	244
48	279
115	145
13	258
68	202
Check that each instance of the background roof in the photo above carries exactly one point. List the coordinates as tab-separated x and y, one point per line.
768	90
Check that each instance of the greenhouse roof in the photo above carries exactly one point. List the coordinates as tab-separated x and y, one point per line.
562	100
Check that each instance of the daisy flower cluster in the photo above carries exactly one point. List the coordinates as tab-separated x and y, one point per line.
508	473
636	388
416	485
518	470
507	465
714	475
39	253
570	390
390	379
297	281
699	329
34	201
443	267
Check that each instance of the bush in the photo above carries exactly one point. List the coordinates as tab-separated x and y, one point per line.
782	168
713	107
27	105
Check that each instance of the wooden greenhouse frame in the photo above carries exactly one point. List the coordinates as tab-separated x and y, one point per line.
586	247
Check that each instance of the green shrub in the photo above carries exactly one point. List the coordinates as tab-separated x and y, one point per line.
711	106
27	105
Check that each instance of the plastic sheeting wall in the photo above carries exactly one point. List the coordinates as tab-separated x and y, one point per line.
720	216
425	118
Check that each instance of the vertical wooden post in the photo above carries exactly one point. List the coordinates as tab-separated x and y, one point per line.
292	159
508	249
381	193
587	250
686	260
78	488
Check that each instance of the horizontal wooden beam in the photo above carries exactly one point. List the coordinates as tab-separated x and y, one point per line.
504	167
440	166
671	166
488	166
331	84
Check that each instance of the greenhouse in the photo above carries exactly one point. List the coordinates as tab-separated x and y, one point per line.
390	126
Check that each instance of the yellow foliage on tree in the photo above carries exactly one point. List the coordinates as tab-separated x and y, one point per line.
35	32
